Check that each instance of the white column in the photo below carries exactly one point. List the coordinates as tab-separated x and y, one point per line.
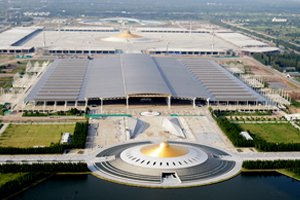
169	101
66	102
127	102
101	108
194	102
44	106
54	106
86	102
207	102
76	103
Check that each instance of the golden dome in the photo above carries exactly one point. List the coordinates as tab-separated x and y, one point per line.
164	150
127	35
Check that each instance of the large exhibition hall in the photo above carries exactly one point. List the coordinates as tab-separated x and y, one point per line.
139	79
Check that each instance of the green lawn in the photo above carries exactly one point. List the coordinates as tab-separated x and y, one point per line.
6	82
7	177
295	103
297	79
20	68
276	133
6	57
33	135
289	173
289	33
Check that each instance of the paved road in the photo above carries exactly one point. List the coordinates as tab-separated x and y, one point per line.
41	158
91	156
269	156
51	158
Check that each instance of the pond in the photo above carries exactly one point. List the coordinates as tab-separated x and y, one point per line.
244	186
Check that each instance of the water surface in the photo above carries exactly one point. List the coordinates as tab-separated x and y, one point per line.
243	187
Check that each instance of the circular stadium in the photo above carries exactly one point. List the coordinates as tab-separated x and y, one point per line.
166	164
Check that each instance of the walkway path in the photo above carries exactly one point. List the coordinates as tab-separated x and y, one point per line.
91	155
50	158
269	156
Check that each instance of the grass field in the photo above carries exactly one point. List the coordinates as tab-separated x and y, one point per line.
289	174
33	135
7	177
287	33
6	82
20	68
295	103
6	58
276	133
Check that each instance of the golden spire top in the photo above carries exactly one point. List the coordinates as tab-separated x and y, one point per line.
164	150
127	35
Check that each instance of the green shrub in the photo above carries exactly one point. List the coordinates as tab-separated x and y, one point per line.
272	164
233	133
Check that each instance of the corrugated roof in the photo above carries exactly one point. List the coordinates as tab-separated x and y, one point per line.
62	81
141	75
136	74
223	85
104	79
180	81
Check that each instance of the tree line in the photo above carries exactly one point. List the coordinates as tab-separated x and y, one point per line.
19	183
54	148
264	145
71	112
279	61
79	136
232	131
272	164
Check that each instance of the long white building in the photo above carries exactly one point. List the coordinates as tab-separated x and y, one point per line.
108	40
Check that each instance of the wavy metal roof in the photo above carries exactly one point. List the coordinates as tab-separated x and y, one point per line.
104	79
137	75
222	85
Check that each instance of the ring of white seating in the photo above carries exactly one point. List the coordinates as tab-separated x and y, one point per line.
134	156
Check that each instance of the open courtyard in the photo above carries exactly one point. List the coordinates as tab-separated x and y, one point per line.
196	123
